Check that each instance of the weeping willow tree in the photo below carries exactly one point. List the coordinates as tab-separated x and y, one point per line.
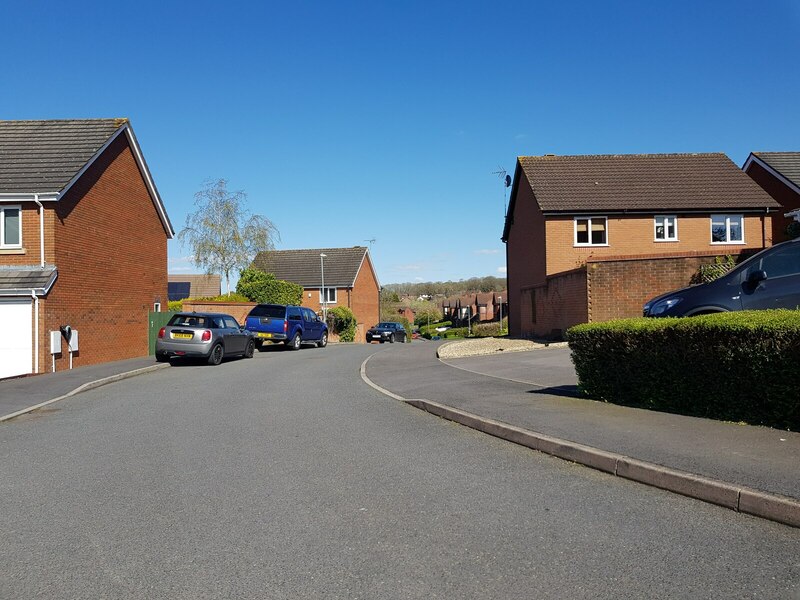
222	234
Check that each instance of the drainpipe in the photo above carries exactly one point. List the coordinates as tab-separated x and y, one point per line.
36	331
41	229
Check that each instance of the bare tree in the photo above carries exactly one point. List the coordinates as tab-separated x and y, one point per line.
222	233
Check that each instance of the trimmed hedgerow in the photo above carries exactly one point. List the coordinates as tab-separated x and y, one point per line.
342	322
739	366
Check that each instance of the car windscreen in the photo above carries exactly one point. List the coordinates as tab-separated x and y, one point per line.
188	321
273	311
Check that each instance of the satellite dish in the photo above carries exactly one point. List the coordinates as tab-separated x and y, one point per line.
508	180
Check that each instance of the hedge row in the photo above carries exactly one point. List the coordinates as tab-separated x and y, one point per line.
740	366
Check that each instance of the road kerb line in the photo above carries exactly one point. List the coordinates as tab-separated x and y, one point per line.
735	497
90	385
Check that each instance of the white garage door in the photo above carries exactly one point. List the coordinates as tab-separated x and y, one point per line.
16	352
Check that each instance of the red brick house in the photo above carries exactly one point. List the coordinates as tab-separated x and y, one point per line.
591	238
350	280
80	220
778	173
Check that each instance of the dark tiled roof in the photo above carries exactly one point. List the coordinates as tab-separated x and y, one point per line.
303	266
785	163
44	156
21	279
199	286
649	182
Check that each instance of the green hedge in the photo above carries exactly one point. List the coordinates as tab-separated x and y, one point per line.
740	366
342	322
261	287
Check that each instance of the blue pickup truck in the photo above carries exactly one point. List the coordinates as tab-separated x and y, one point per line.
288	325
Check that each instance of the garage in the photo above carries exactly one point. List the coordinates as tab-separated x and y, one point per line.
16	338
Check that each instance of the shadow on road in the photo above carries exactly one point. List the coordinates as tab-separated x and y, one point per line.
567	391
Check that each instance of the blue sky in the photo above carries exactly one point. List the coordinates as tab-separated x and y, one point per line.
351	121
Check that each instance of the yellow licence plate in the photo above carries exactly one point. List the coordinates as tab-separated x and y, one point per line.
182	336
264	335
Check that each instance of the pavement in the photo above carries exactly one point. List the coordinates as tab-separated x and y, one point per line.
531	398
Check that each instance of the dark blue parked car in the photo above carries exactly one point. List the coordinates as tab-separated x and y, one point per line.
289	325
769	279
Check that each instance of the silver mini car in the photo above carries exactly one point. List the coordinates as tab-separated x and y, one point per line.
210	336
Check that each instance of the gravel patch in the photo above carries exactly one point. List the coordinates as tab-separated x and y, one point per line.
485	346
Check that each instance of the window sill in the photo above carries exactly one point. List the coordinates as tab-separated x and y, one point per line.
590	245
728	243
666	241
13	251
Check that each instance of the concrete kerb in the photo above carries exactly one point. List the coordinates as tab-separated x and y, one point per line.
86	387
736	497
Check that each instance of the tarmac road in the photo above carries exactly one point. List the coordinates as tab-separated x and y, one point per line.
286	476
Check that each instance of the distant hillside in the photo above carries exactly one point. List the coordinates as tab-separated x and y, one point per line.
448	288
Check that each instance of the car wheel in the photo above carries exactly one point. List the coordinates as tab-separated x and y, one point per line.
217	352
391	338
162	358
294	343
251	348
323	341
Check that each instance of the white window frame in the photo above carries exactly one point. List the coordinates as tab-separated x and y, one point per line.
727	218
3	209
666	237
589	219
331	296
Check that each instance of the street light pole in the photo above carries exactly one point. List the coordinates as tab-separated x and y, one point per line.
322	256
500	301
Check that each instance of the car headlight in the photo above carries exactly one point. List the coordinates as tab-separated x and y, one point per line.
663	306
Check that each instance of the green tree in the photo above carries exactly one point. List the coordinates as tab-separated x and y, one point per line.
263	288
222	234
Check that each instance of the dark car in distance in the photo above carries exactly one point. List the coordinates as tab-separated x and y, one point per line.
288	325
210	336
769	279
387	332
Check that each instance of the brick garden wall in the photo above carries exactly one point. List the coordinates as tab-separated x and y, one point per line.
557	305
788	198
619	287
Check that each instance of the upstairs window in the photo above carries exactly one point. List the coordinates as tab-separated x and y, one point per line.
10	227
727	229
666	228
591	231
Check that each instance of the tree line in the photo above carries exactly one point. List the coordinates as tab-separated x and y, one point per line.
447	288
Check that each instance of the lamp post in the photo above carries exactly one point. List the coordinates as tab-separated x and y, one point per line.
500	302
322	256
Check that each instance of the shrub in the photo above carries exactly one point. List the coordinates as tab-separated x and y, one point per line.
454	332
342	322
739	366
261	287
175	305
492	329
232	297
712	271
432	328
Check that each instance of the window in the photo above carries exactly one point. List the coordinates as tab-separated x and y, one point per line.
727	229
330	296
779	263
231	323
666	228
10	227
590	231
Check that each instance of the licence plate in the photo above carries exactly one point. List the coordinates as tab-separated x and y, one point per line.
182	336
264	335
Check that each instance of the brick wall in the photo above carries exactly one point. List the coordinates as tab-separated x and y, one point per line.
110	248
788	199
558	304
238	310
618	288
525	255
634	236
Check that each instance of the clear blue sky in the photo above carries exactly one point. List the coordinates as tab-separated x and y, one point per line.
348	121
